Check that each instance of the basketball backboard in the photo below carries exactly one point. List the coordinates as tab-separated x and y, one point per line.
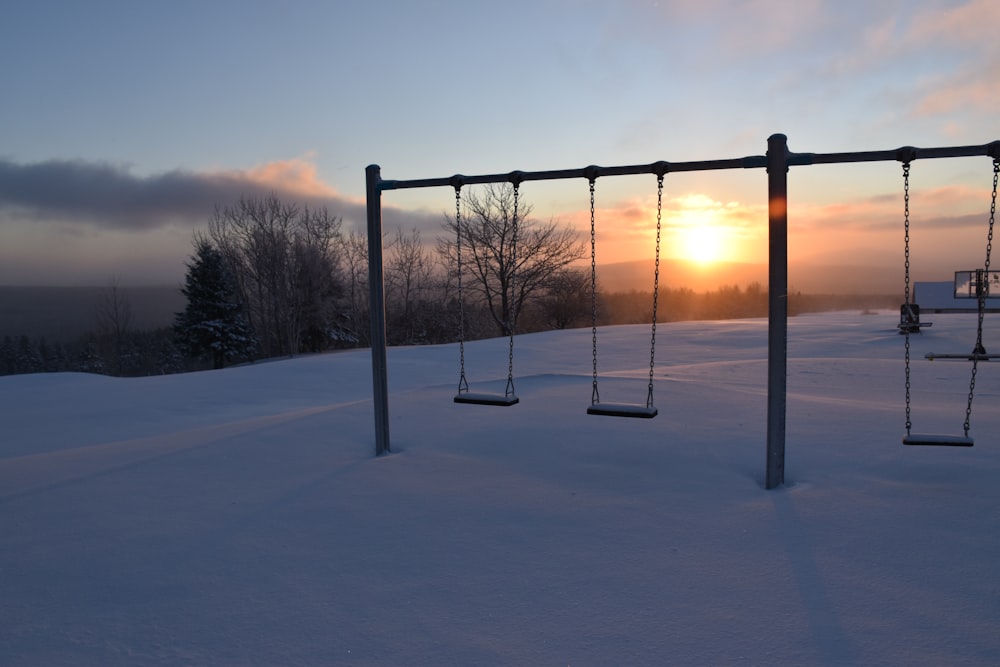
968	284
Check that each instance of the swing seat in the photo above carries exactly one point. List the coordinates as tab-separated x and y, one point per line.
621	410
968	356
486	399
936	439
912	327
909	319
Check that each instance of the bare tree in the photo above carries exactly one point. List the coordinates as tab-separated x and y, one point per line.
114	317
408	284
315	283
356	264
285	262
567	300
504	265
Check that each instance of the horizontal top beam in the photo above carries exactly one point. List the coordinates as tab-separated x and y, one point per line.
902	154
593	171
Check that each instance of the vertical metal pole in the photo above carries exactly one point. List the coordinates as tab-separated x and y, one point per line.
777	312
376	307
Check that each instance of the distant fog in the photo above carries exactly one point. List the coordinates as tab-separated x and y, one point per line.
802	277
63	314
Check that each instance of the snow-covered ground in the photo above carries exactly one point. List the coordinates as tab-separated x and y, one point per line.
239	517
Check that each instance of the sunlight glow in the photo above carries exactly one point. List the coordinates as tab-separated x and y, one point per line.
701	232
702	243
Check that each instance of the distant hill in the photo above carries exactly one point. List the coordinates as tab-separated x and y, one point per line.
62	314
638	275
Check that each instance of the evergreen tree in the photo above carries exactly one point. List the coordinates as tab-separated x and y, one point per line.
28	360
8	356
212	325
89	358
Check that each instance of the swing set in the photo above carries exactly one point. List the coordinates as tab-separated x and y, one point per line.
776	161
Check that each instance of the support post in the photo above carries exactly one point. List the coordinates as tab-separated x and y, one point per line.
777	312
376	307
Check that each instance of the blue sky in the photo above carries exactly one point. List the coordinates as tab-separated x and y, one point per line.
124	123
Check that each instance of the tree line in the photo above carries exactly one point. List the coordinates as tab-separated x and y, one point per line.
269	278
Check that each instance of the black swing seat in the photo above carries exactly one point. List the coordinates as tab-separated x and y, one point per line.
913	327
621	410
909	319
936	439
968	356
486	399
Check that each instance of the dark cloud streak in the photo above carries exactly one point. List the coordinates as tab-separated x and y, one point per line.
109	197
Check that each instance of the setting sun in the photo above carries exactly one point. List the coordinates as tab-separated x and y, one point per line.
696	228
700	232
702	244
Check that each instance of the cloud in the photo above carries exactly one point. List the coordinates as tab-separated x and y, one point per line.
928	62
107	196
973	22
974	89
952	207
777	26
970	85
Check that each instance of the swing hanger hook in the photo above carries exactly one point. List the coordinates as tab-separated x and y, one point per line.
993	150
457	181
906	154
515	178
592	172
661	168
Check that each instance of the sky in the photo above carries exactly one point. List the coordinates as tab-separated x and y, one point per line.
240	517
124	124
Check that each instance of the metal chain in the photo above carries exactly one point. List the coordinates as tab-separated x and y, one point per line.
906	303
512	308
656	288
463	384
594	396
981	298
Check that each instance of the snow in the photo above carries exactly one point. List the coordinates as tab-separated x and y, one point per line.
239	517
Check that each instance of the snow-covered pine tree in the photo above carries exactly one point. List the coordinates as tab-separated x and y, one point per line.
212	325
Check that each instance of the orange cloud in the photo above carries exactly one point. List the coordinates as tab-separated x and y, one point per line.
973	22
297	176
947	98
948	206
970	85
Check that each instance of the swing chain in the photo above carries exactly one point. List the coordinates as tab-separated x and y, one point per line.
981	297
463	384
656	287
906	265
592	177
594	396
512	309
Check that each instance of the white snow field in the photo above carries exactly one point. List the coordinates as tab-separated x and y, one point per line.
239	517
